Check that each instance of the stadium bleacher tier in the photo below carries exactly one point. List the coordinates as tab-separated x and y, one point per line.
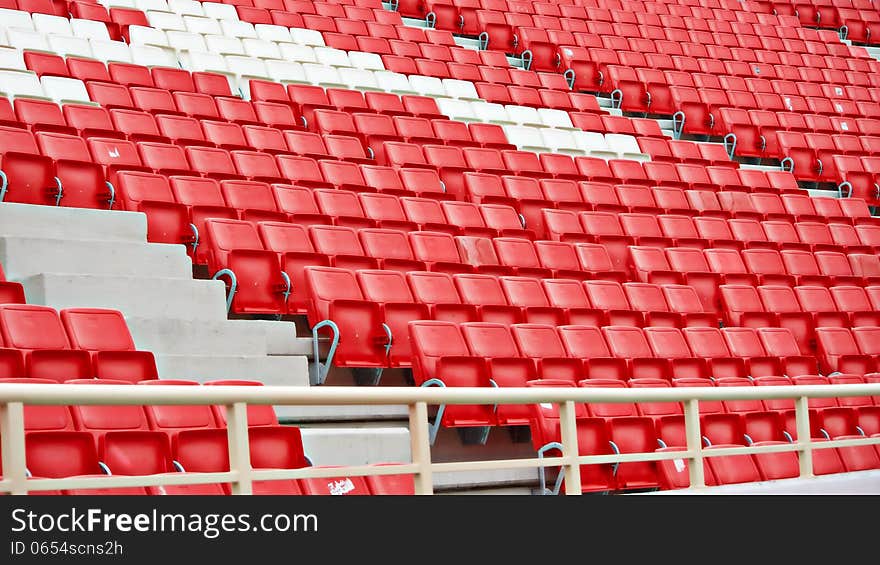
604	193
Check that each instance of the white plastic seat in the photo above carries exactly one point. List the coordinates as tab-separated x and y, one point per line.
186	7
118	4
152	5
360	79
593	143
332	57
245	70
28	39
297	52
245	66
524	115
206	61
560	141
397	83
286	72
323	75
427	86
202	25
52	24
16	19
186	41
150	56
223	45
362	60
526	138
110	50
261	49
556	118
165	20
492	112
4	39
626	146
89	29
220	11
461	89
67	46
21	83
271	32
457	109
307	37
63	89
238	28
143	35
13	59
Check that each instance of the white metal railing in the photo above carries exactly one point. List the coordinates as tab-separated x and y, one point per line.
241	475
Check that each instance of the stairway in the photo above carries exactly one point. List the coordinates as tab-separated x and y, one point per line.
72	257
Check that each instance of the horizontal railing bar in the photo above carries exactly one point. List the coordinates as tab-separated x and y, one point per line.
112	481
281	395
634	457
333	472
118	481
293	395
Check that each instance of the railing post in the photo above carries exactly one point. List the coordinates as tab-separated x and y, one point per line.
239	447
12	436
568	429
694	442
805	453
420	447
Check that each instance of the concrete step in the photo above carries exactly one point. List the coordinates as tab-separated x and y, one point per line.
366	412
26	220
279	370
493	477
203	337
760	167
665	124
468	42
500	491
667	132
814	192
134	296
414	22
27	256
604	101
356	445
281	338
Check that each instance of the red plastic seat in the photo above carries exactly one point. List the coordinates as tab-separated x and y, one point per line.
30	176
438	251
391	292
610	297
342	246
207	451
105	334
256	283
630	344
485	292
494	345
146	453
710	344
334	294
67	454
39	333
440	352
